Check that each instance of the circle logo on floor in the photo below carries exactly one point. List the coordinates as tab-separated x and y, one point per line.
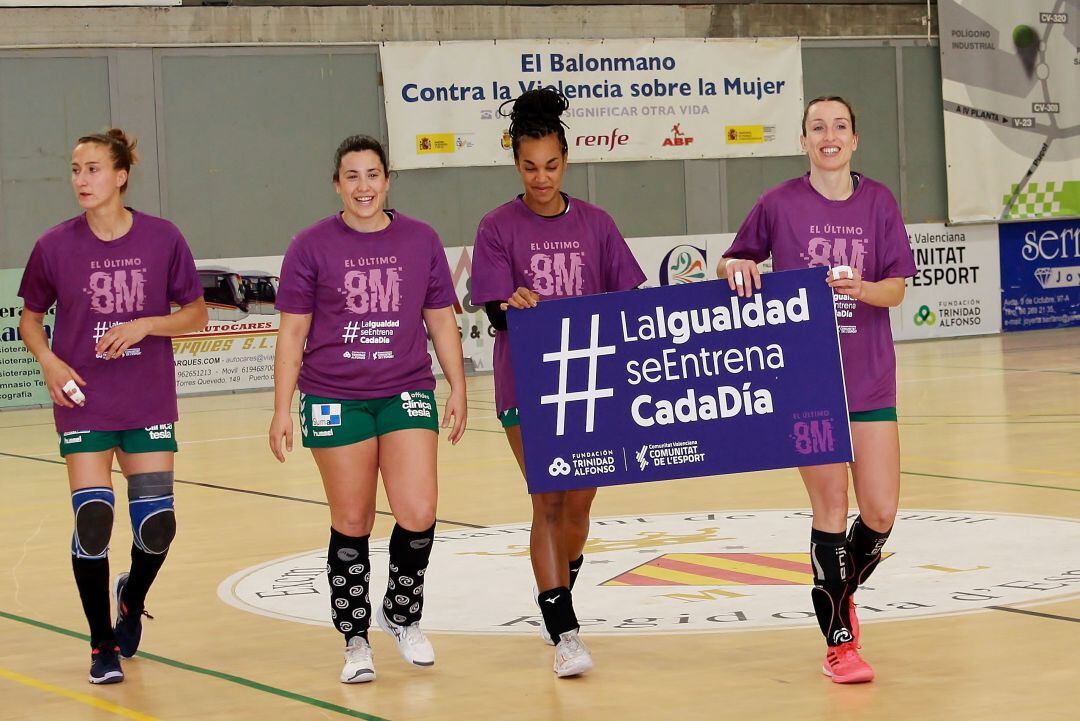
701	572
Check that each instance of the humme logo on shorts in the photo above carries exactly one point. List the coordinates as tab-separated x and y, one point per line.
325	414
72	437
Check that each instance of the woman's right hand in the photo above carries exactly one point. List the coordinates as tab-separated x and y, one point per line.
522	298
57	375
742	275
281	430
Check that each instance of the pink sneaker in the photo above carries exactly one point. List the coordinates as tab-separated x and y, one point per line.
844	665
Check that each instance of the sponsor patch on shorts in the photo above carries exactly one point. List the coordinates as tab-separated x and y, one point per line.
417	404
325	414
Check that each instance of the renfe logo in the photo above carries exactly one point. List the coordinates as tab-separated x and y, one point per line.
610	141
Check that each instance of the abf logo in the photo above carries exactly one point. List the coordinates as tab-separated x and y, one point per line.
925	316
559	467
678	138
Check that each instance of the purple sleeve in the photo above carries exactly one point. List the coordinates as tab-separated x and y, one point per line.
184	284
492	276
753	241
440	291
622	271
897	260
296	287
37	289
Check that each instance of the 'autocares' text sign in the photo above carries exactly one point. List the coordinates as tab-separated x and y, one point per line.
679	381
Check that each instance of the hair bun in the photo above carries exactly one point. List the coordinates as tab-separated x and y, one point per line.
120	137
540	102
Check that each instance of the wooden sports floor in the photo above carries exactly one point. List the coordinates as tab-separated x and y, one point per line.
975	615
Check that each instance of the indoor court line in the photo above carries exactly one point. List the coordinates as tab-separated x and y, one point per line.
238	680
997	467
987	480
1039	614
246	491
75	696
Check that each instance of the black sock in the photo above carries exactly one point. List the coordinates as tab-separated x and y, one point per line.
144	569
865	544
409	555
557	608
575	567
349	570
92	579
832	574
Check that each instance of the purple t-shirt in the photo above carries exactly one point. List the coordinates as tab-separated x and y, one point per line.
580	252
800	228
366	293
97	284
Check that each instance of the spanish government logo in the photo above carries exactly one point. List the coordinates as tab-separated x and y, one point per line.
703	572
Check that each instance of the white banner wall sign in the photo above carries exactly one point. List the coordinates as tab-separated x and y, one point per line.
629	99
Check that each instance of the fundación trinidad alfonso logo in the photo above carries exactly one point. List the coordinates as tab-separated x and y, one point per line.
701	572
925	316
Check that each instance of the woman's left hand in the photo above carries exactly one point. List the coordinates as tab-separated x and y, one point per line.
457	408
849	283
121	337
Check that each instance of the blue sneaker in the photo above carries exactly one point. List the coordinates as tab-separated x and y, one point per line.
105	664
128	625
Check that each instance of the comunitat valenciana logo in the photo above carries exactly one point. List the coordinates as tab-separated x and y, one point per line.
925	316
703	571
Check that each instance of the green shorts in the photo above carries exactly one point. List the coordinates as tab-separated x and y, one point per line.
878	414
328	423
510	418
136	440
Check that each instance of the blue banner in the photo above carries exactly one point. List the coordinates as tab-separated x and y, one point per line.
679	381
1040	274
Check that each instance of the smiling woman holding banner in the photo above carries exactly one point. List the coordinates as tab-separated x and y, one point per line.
850	225
545	245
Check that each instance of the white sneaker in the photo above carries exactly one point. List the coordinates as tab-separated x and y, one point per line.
411	641
571	656
359	666
543	626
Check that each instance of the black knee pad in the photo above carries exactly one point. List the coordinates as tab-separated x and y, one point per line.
93	522
151	506
153	523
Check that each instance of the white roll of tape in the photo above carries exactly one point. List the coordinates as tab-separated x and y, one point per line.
71	389
839	271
